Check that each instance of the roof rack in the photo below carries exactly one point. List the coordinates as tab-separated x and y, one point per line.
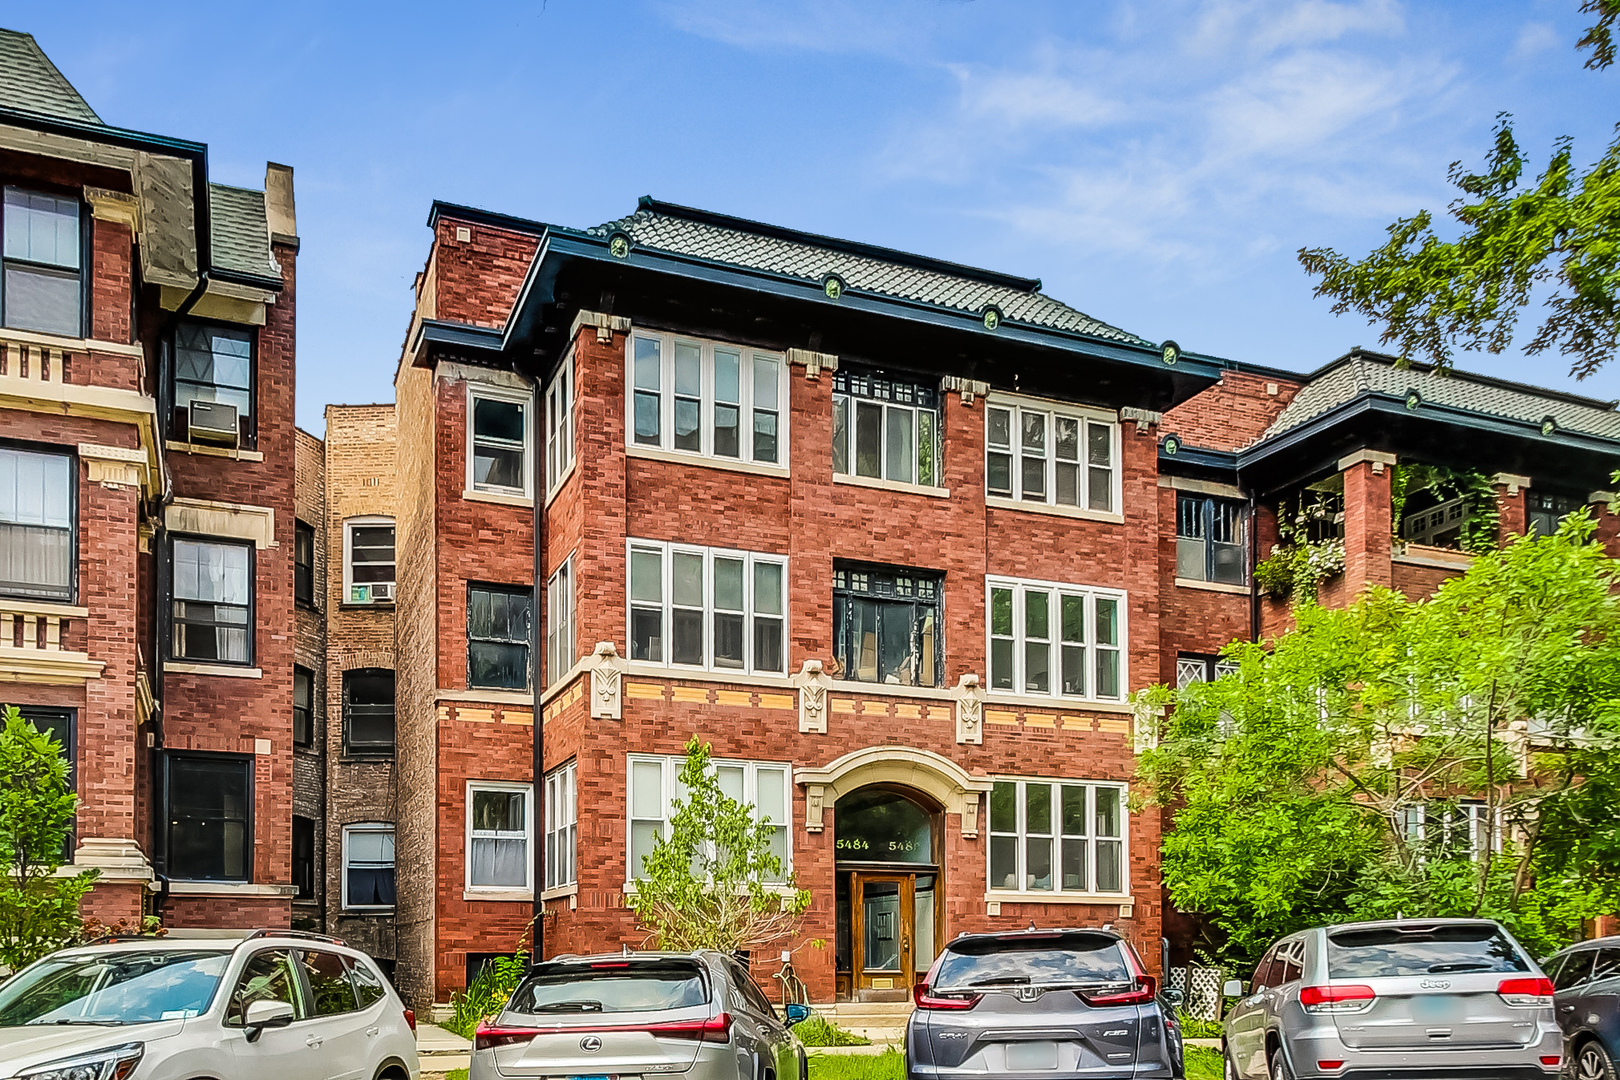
114	939
301	935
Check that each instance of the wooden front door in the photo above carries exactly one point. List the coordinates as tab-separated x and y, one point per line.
884	933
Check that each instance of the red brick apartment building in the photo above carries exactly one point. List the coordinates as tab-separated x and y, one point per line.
897	536
146	505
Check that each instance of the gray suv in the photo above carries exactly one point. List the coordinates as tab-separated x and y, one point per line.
1402	1000
1041	1003
639	1014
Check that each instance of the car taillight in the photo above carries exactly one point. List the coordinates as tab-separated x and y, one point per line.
410	1018
925	998
489	1036
1337	999
1526	993
716	1029
1140	993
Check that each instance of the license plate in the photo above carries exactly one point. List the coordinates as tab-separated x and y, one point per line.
1024	1056
1439	1008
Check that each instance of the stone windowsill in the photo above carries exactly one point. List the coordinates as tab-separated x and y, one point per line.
487	697
230	671
42	607
70	344
524	895
1438	558
892	485
213	451
703	461
1012	896
230	888
999	502
561	892
1212	586
562	481
1043	703
499	498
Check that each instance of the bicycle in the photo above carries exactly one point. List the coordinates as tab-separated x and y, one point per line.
794	991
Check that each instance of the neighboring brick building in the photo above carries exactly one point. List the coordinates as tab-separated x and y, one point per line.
147	499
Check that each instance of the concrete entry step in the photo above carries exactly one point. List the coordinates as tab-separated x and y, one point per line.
880	1021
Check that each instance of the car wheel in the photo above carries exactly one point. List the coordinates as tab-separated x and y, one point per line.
1229	1072
1279	1067
1592	1062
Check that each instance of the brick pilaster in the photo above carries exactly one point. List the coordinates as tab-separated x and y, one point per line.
1367	541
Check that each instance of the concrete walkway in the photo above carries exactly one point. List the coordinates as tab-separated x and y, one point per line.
441	1050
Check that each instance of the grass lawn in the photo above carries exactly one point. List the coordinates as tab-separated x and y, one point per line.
1203	1063
890	1065
456	1074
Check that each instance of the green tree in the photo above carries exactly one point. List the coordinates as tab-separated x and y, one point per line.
39	910
714	882
1560	234
1295	783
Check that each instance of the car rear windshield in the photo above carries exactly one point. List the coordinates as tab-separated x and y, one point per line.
612	986
1033	960
1391	952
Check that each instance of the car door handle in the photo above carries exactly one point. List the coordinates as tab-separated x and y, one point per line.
314	1042
372	1030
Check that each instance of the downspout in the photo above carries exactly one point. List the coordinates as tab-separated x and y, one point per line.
538	952
1254	558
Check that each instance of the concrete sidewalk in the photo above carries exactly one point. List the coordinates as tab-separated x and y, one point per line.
441	1050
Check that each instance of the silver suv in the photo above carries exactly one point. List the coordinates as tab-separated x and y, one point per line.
640	1014
1408	999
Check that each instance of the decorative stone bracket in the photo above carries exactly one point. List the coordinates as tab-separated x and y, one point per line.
813	683
607	680
968	388
812	362
969	710
1145	418
114	466
1146	721
605	325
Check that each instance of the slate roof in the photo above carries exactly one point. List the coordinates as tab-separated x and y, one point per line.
28	80
1359	373
239	232
863	268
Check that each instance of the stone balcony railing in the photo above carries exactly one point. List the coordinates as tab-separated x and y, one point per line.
31	637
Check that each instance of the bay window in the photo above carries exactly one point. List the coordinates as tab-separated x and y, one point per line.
885	428
706	398
500	828
41	263
499	636
1057	836
711	608
1057	456
562	816
1212	539
38	550
560	425
560	654
654	785
1058	640
500	431
886	624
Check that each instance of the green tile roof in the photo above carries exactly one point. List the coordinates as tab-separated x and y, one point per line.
863	268
28	80
1360	373
240	235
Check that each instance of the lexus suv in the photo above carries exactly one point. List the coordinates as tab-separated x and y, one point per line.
622	1015
1041	1003
1408	999
270	1003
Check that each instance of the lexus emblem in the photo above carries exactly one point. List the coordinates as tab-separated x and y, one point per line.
590	1044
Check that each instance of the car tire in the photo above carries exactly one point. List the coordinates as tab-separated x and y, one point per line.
1229	1069
1592	1062
1279	1066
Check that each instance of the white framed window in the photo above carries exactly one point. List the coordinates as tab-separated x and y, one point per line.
1060	640
560	651
885	428
654	785
1196	669
562	818
1058	836
560	425
706	398
1052	454
368	560
500	440
368	867
1451	830
500	830
710	608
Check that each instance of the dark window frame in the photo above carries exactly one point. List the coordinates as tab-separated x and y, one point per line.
247	763
486	639
368	750
1202	512
52	450
302	880
69	718
929	591
309	711
884	389
86	273
252	604
248	439
1564	503
304	572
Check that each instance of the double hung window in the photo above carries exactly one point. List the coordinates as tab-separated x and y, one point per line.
1052	455
1548	509
885	428
499	633
368	560
303	857
1057	836
368	711
500	826
38	550
42	287
1212	539
1062	640
1451	830
368	867
560	425
213	600
1197	669
711	608
500	435
886	624
213	364
304	564
560	653
707	398
655	786
210	817
561	827
303	733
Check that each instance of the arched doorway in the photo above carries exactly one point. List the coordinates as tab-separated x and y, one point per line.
888	840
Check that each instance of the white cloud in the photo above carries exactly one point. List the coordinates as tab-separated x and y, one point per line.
1534	39
1259	27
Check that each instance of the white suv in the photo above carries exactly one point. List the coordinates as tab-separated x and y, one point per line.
271	1003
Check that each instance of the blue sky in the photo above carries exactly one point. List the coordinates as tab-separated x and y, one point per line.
1157	164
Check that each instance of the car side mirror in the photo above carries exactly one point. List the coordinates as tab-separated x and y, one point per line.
1233	988
797	1013
1175	997
265	1014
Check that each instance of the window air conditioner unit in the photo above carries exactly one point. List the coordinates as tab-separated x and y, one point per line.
383	593
359	594
212	422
